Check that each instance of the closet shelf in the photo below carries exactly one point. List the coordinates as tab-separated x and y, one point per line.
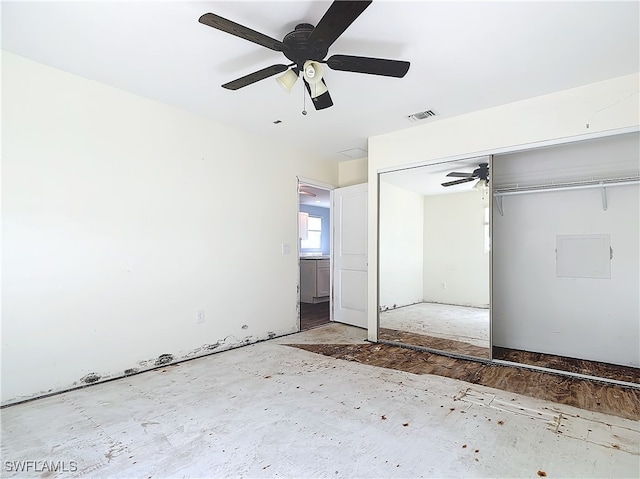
602	184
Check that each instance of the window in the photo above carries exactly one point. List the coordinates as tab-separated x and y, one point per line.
314	236
487	233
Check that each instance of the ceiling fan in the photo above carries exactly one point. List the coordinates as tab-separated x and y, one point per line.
481	173
305	192
307	46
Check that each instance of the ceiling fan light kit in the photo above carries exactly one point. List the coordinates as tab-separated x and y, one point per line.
312	72
287	80
318	89
307	46
481	185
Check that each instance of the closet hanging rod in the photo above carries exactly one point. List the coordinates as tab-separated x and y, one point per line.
566	186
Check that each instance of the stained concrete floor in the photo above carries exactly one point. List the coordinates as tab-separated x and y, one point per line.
457	323
269	410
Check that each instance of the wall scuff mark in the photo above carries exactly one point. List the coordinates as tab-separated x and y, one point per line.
164	359
228	343
90	378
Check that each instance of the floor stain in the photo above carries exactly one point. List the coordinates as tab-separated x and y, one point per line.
114	451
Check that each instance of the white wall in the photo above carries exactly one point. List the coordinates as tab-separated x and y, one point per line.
122	217
352	172
456	266
401	246
553	117
533	310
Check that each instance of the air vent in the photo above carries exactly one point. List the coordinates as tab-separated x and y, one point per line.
421	115
354	153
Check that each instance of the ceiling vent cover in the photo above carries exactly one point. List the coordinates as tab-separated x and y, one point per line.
421	115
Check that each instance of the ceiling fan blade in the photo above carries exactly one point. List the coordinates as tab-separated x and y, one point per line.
219	23
372	66
458	182
254	77
458	174
335	21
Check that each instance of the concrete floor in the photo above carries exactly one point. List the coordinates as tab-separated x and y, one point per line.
270	410
459	323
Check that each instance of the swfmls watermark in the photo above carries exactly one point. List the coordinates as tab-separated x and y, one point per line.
29	465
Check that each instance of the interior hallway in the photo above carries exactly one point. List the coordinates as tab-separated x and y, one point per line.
313	315
268	410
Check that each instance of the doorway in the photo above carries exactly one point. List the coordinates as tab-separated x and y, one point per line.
314	254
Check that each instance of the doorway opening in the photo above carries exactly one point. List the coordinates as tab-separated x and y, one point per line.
314	252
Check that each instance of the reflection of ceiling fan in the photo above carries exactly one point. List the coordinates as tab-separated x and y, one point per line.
481	173
306	47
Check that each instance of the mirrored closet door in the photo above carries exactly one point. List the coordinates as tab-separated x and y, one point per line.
434	243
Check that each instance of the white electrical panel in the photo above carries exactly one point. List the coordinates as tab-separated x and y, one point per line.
583	256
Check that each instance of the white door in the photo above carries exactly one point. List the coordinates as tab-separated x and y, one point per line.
350	255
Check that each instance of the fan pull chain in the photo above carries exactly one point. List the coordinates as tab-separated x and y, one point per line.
304	101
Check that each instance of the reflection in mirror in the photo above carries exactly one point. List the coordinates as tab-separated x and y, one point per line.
434	257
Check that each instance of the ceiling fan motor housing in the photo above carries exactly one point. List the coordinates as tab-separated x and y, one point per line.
299	50
483	171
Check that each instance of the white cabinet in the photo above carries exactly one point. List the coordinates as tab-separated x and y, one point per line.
314	280
323	272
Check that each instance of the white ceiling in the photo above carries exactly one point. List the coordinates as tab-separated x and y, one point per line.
464	56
